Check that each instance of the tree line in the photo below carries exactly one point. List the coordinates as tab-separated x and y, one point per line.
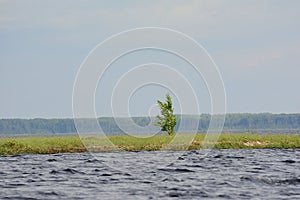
233	122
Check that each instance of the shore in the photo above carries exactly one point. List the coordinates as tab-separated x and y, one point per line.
73	144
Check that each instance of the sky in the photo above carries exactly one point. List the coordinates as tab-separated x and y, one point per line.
255	45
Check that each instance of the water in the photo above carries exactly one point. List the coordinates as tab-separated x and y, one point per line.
218	174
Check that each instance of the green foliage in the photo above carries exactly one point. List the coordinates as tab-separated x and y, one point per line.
167	121
69	144
40	145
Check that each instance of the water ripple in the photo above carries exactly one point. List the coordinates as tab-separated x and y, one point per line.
219	174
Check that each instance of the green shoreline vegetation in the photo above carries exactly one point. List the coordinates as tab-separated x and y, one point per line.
75	144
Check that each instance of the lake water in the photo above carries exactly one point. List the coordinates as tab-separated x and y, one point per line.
216	174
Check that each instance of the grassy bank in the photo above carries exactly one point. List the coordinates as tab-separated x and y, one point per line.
49	145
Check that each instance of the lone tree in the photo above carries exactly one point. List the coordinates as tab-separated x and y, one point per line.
167	121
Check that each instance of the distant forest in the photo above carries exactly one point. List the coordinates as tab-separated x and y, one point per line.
254	123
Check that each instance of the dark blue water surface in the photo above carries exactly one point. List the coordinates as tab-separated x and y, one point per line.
217	174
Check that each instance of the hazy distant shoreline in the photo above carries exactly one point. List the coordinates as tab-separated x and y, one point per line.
244	122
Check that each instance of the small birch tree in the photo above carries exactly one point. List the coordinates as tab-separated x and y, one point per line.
167	120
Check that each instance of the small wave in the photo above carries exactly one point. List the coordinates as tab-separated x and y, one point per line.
236	157
93	161
258	168
270	181
13	185
146	181
106	174
175	194
49	193
253	171
219	156
51	160
171	179
72	171
20	198
180	170
194	166
31	181
67	170
288	161
53	172
224	196
17	155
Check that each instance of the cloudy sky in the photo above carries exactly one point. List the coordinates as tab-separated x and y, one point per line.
255	44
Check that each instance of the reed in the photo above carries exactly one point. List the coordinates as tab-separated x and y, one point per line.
71	144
